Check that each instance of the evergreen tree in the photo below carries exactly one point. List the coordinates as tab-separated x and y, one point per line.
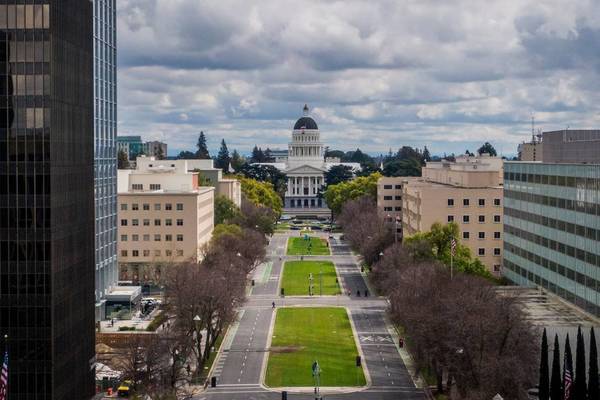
593	386
556	380
268	156
256	155
544	383
426	155
568	370
487	148
579	386
202	152
223	158
237	161
122	160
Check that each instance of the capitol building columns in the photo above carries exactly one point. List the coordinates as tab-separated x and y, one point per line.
305	168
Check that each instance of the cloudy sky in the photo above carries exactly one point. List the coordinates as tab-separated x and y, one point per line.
445	74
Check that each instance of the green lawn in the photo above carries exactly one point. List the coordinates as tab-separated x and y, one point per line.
295	278
303	335
298	246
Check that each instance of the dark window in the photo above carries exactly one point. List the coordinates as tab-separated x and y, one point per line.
496	202
397	187
481	251
387	186
496	235
450	218
481	202
496	218
450	202
123	222
481	219
465	202
481	235
466	219
387	197
146	207
179	206
168	206
465	235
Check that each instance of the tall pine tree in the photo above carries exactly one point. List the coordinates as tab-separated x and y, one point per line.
202	152
223	158
593	385
556	380
568	372
237	161
579	386
544	383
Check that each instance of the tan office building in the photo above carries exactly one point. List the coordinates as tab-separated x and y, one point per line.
389	198
164	217
468	192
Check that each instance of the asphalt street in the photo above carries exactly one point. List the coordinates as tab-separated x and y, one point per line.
238	367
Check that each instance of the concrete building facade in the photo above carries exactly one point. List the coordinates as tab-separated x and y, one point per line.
552	229
165	217
571	146
467	192
389	199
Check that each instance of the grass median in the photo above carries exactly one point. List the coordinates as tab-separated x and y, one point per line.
305	246
305	334
295	280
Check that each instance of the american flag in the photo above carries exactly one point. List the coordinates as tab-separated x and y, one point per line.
453	246
4	378
567	378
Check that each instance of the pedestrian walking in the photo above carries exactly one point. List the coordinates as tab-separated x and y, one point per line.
358	293
273	304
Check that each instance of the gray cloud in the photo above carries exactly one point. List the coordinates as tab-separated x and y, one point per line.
383	74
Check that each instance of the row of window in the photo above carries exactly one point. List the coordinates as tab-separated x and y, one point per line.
580	254
481	219
397	187
481	251
555	180
569	296
146	222
146	253
563	226
566	204
146	206
392	197
140	186
157	238
467	202
392	208
481	235
553	266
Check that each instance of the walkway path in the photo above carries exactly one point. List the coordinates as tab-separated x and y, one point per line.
239	365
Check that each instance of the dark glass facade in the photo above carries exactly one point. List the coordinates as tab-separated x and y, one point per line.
47	198
552	229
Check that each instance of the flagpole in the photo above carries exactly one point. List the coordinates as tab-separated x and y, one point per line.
451	261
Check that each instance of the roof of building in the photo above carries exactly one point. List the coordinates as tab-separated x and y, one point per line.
305	123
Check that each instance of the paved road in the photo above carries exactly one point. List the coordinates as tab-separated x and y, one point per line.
239	366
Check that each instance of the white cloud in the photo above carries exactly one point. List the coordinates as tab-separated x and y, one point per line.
384	74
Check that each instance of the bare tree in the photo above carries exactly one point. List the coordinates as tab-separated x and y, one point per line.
365	229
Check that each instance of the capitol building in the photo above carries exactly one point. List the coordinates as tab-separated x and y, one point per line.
305	167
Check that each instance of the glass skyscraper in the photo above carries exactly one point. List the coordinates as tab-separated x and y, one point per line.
105	149
46	197
552	229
